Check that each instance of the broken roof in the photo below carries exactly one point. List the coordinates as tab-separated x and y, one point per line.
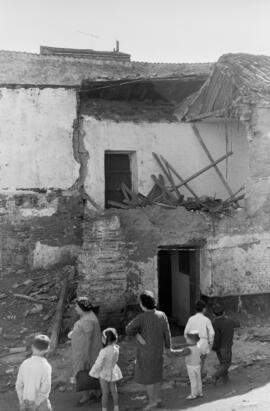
21	68
145	99
235	79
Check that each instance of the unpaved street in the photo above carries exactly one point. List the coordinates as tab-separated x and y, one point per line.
249	389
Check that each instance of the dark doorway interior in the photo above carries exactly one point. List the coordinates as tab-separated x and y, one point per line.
165	282
117	171
179	282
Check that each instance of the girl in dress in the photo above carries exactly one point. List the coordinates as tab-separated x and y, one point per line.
106	368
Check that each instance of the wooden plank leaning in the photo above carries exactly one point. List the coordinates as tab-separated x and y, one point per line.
169	166
187	180
168	175
57	321
197	134
166	193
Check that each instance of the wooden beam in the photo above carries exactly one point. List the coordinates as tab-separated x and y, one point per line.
197	133
166	193
117	205
133	196
57	321
215	113
91	201
31	299
204	169
234	195
168	175
170	167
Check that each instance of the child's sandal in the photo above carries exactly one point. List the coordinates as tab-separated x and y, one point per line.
191	397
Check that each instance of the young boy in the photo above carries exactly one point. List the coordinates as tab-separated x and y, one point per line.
33	383
223	341
193	363
203	325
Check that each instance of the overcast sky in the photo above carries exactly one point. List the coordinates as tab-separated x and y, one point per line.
150	30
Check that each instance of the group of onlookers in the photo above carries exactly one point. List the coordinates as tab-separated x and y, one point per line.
95	355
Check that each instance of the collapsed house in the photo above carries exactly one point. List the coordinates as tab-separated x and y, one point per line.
142	175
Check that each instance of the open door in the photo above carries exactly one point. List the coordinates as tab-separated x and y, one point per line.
179	282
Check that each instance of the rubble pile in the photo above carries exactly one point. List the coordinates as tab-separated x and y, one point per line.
27	307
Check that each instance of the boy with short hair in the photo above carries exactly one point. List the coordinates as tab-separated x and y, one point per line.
33	383
193	363
223	341
203	325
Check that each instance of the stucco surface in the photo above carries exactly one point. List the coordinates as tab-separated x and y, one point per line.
176	142
260	143
36	131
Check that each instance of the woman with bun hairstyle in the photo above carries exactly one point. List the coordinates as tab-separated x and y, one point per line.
86	342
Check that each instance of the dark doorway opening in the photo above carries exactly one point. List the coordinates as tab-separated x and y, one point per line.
178	282
117	171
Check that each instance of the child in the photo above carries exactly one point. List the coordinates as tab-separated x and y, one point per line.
203	325
193	363
223	341
33	383
106	368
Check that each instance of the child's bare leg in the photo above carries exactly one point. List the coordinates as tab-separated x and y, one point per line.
203	358
105	389
157	388
114	392
151	394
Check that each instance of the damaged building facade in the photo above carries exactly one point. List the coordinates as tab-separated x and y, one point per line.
77	128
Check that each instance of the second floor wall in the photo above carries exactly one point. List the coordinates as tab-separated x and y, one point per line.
176	142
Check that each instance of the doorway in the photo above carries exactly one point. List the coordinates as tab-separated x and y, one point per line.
178	282
117	171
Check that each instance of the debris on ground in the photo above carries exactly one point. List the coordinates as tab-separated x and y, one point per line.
27	309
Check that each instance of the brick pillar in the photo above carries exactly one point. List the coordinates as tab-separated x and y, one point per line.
103	267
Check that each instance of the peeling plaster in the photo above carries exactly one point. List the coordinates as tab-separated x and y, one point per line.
45	256
80	153
47	211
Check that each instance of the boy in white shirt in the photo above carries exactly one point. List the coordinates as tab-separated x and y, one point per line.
33	383
203	325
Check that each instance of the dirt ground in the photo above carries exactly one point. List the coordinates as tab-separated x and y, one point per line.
248	390
250	371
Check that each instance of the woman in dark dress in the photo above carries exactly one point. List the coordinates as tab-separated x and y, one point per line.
151	329
86	342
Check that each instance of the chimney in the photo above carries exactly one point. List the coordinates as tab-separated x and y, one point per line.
117	47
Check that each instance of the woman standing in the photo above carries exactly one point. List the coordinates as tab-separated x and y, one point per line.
86	342
151	329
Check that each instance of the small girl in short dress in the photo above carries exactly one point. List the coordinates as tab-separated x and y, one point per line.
106	368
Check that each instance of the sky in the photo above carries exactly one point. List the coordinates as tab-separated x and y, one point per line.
149	30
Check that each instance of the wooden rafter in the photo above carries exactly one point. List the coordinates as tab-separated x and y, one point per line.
170	167
204	169
198	135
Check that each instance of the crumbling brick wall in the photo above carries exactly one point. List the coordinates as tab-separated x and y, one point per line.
39	231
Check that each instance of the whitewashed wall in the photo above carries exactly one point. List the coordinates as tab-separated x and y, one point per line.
36	138
176	142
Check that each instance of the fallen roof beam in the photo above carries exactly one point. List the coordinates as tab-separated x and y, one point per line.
170	167
204	169
167	174
207	152
215	113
